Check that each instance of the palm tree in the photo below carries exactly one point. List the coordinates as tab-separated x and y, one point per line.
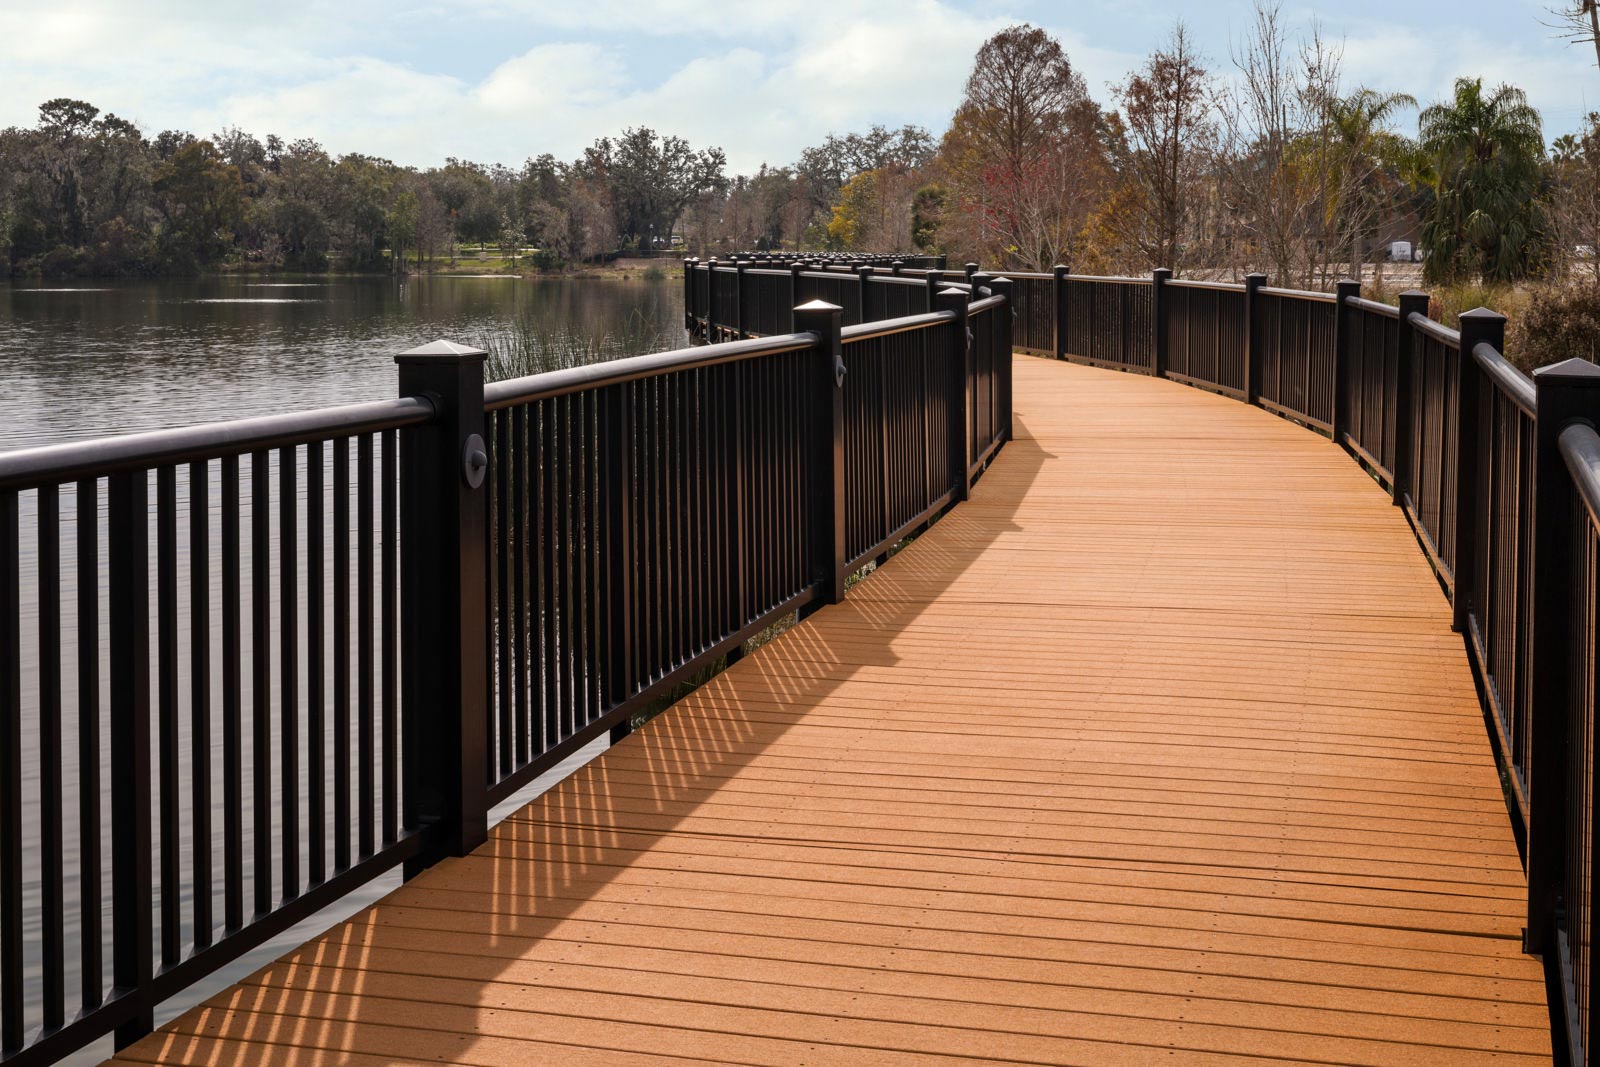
1486	156
1370	159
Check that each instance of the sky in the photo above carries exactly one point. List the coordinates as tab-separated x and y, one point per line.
417	81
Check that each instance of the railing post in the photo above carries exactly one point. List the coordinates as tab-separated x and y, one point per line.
864	277
711	301
795	270
1478	326
979	280
971	269
1158	320
688	295
1003	351
128	581
1058	307
933	283
739	328
1567	392
444	681
960	433
828	509
897	267
1342	292
1252	338
1411	302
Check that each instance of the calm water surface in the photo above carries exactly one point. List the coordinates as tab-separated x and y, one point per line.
86	359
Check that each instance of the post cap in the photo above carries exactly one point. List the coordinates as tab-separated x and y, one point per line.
441	351
997	281
1414	294
1570	371
818	305
1482	315
953	292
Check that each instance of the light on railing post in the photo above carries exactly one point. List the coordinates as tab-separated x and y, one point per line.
828	508
1252	338
711	301
1158	316
1411	302
960	396
444	682
1479	326
1343	293
1566	393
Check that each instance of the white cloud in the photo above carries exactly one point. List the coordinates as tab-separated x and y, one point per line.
504	79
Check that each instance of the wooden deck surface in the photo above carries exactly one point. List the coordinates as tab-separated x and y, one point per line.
1160	750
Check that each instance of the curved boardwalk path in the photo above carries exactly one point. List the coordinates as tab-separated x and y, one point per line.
1160	750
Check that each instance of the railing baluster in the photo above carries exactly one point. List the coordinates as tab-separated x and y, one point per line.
91	924
52	874
200	697
316	667
366	776
12	1021
390	563
289	669
131	916
167	711
341	653
261	679
232	705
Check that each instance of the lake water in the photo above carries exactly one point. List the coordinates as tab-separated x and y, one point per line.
86	359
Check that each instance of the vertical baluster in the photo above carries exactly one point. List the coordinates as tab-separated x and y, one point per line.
366	778
289	667
52	861
200	696
129	581
232	709
522	650
167	711
390	562
261	679
89	895
341	653
316	670
11	944
501	552
593	519
550	644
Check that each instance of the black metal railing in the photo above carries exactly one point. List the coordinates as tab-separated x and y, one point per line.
249	667
1498	473
200	658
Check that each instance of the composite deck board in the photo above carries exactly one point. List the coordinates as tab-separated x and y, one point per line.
1159	749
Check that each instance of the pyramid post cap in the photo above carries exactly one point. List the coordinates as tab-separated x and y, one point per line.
441	350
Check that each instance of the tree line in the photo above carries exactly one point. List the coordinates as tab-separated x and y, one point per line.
1268	161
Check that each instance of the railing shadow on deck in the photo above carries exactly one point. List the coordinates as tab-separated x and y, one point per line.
544	867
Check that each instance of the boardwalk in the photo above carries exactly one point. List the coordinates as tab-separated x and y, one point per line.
1159	750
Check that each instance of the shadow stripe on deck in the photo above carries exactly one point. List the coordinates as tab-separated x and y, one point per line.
1158	748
